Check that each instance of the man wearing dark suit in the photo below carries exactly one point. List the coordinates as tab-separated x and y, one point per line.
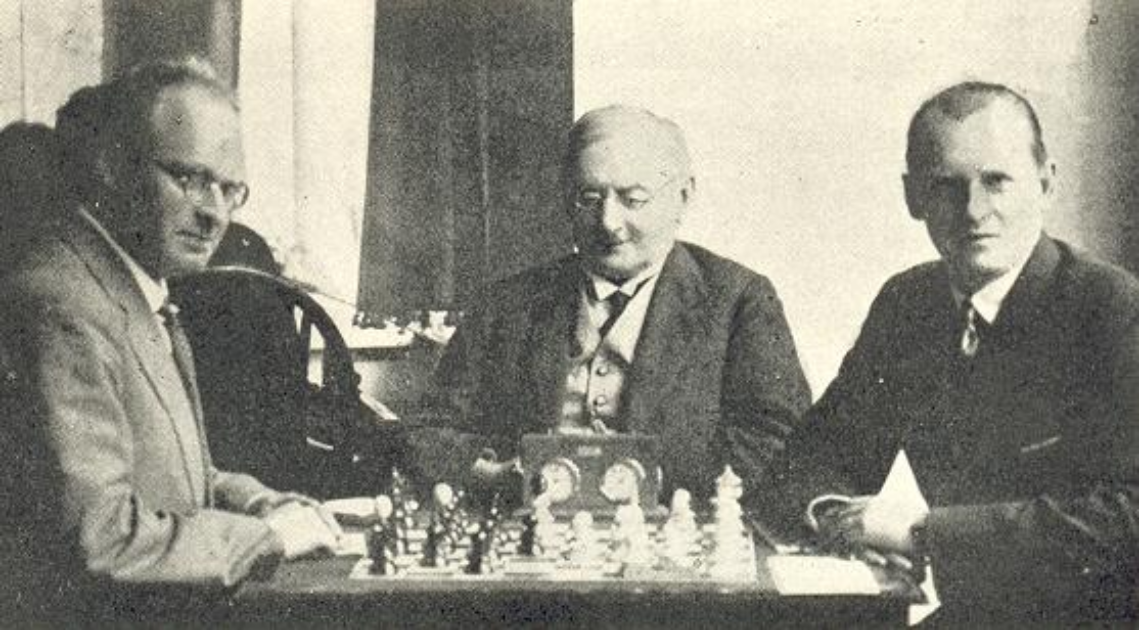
110	482
635	332
1007	373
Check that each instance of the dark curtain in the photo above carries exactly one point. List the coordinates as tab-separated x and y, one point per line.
137	30
471	100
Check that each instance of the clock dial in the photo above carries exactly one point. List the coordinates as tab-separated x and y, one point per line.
622	481
560	479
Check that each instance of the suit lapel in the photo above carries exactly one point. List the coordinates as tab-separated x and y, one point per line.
673	321
982	431
146	338
1027	302
549	328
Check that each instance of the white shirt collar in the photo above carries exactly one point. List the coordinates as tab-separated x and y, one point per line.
988	299
603	287
154	291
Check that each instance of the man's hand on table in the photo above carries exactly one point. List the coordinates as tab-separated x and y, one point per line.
304	528
876	529
488	472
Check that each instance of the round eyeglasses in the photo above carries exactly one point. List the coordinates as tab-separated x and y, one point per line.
199	185
632	198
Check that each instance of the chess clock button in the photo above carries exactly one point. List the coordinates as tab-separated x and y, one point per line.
560	479
622	481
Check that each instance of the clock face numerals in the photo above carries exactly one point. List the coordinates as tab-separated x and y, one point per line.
622	481
560	479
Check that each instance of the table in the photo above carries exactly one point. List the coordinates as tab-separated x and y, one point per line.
319	591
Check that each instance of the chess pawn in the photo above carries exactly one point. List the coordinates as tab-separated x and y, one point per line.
398	486
545	526
681	534
476	556
439	543
633	544
527	543
381	549
584	550
681	518
437	547
380	538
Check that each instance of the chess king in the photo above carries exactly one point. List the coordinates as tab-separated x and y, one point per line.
634	334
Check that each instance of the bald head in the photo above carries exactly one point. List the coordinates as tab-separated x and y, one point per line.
628	182
658	138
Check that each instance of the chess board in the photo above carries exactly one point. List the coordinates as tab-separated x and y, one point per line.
695	564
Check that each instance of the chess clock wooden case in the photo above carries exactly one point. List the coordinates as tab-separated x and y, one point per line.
595	473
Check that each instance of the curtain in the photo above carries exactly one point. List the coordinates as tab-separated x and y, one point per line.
305	78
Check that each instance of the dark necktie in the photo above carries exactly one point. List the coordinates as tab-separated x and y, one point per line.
617	302
180	347
184	359
970	329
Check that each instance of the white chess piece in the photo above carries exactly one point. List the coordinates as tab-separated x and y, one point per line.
632	537
680	532
545	527
680	514
729	557
584	550
729	484
444	496
384	507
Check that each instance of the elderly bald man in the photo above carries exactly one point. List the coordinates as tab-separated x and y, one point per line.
635	332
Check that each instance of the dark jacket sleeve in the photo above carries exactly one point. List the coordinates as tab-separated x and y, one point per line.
764	390
1078	539
828	454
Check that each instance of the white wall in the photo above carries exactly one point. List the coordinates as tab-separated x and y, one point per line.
48	49
306	87
796	115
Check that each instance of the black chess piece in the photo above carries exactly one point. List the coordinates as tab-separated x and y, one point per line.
437	546
381	549
402	521
398	490
483	555
476	555
430	554
527	544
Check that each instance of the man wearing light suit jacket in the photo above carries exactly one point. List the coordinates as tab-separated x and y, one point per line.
108	482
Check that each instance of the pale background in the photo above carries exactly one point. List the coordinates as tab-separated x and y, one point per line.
795	111
796	114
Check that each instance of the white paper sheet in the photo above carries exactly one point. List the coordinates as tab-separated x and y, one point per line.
820	575
902	492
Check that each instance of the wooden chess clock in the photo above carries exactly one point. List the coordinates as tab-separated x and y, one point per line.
595	473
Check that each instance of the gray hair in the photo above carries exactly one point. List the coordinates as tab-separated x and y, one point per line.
599	123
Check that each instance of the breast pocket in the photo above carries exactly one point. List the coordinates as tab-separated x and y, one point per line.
1043	463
